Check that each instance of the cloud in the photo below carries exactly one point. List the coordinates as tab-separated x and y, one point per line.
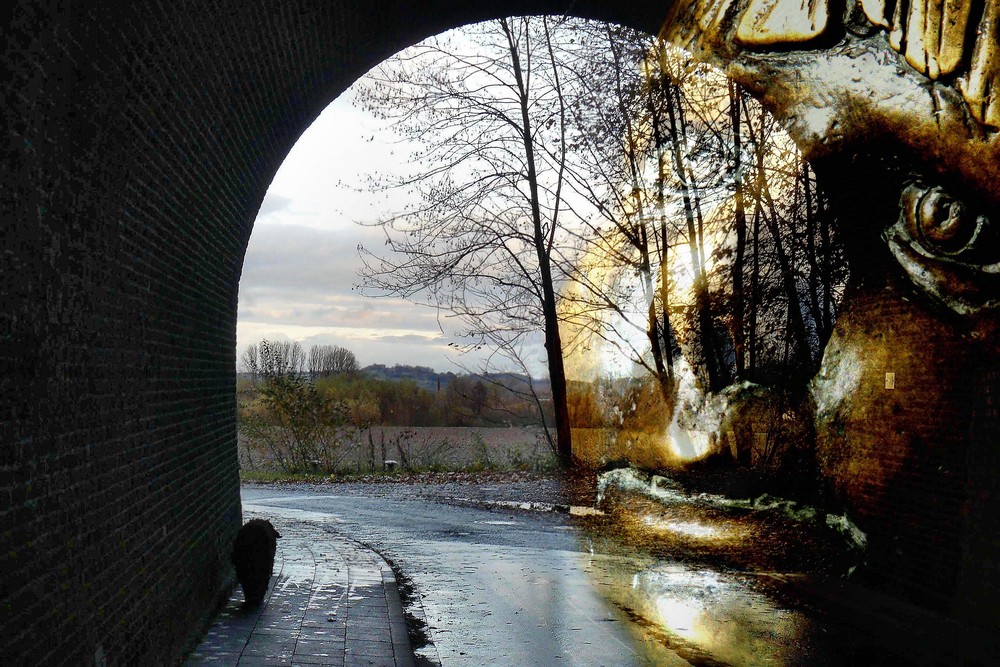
273	203
303	259
301	276
370	346
348	310
298	284
411	338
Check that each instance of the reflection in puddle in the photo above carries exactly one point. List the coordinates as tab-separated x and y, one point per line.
499	523
697	573
705	617
722	616
693	529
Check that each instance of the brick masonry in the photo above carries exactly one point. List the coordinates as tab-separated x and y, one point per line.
141	138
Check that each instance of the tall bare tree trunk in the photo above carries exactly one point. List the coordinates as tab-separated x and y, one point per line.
712	358
659	329
816	305
542	243
754	293
739	263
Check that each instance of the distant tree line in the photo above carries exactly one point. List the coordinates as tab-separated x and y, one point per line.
269	358
313	411
465	401
331	375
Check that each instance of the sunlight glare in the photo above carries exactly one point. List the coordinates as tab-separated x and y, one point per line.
685	528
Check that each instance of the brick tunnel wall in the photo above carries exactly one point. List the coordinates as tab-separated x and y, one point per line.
141	140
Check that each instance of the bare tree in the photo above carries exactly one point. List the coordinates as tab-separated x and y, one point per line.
297	427
251	362
326	360
268	359
586	175
695	175
484	243
622	256
652	162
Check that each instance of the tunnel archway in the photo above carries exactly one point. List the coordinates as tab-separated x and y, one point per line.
142	140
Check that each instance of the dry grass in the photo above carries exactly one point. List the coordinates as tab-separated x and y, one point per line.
430	448
476	448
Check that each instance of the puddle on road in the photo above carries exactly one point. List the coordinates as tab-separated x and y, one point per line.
706	617
500	523
508	504
291	513
690	571
577	510
574	510
694	529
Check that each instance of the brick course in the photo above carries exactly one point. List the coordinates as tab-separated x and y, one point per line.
141	138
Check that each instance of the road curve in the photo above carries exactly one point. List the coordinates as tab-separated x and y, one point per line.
495	588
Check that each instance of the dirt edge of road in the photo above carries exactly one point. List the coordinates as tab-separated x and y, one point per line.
413	614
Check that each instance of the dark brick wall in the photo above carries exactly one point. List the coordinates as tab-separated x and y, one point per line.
141	138
914	463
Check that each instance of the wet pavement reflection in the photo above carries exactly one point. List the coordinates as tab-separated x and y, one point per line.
631	570
704	617
724	581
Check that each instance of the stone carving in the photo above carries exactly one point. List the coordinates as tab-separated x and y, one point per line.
936	37
897	104
947	248
778	22
919	79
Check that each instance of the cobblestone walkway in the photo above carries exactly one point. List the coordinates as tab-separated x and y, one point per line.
331	602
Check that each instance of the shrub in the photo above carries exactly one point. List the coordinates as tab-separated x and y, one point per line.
298	427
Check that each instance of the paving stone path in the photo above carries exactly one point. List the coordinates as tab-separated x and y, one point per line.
331	602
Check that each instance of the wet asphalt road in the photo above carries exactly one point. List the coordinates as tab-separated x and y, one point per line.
496	588
507	587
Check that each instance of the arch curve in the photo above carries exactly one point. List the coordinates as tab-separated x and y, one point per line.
141	140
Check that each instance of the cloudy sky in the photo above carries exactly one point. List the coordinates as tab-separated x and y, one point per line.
302	263
301	268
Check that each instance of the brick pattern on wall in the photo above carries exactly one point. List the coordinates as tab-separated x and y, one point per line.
915	464
141	140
